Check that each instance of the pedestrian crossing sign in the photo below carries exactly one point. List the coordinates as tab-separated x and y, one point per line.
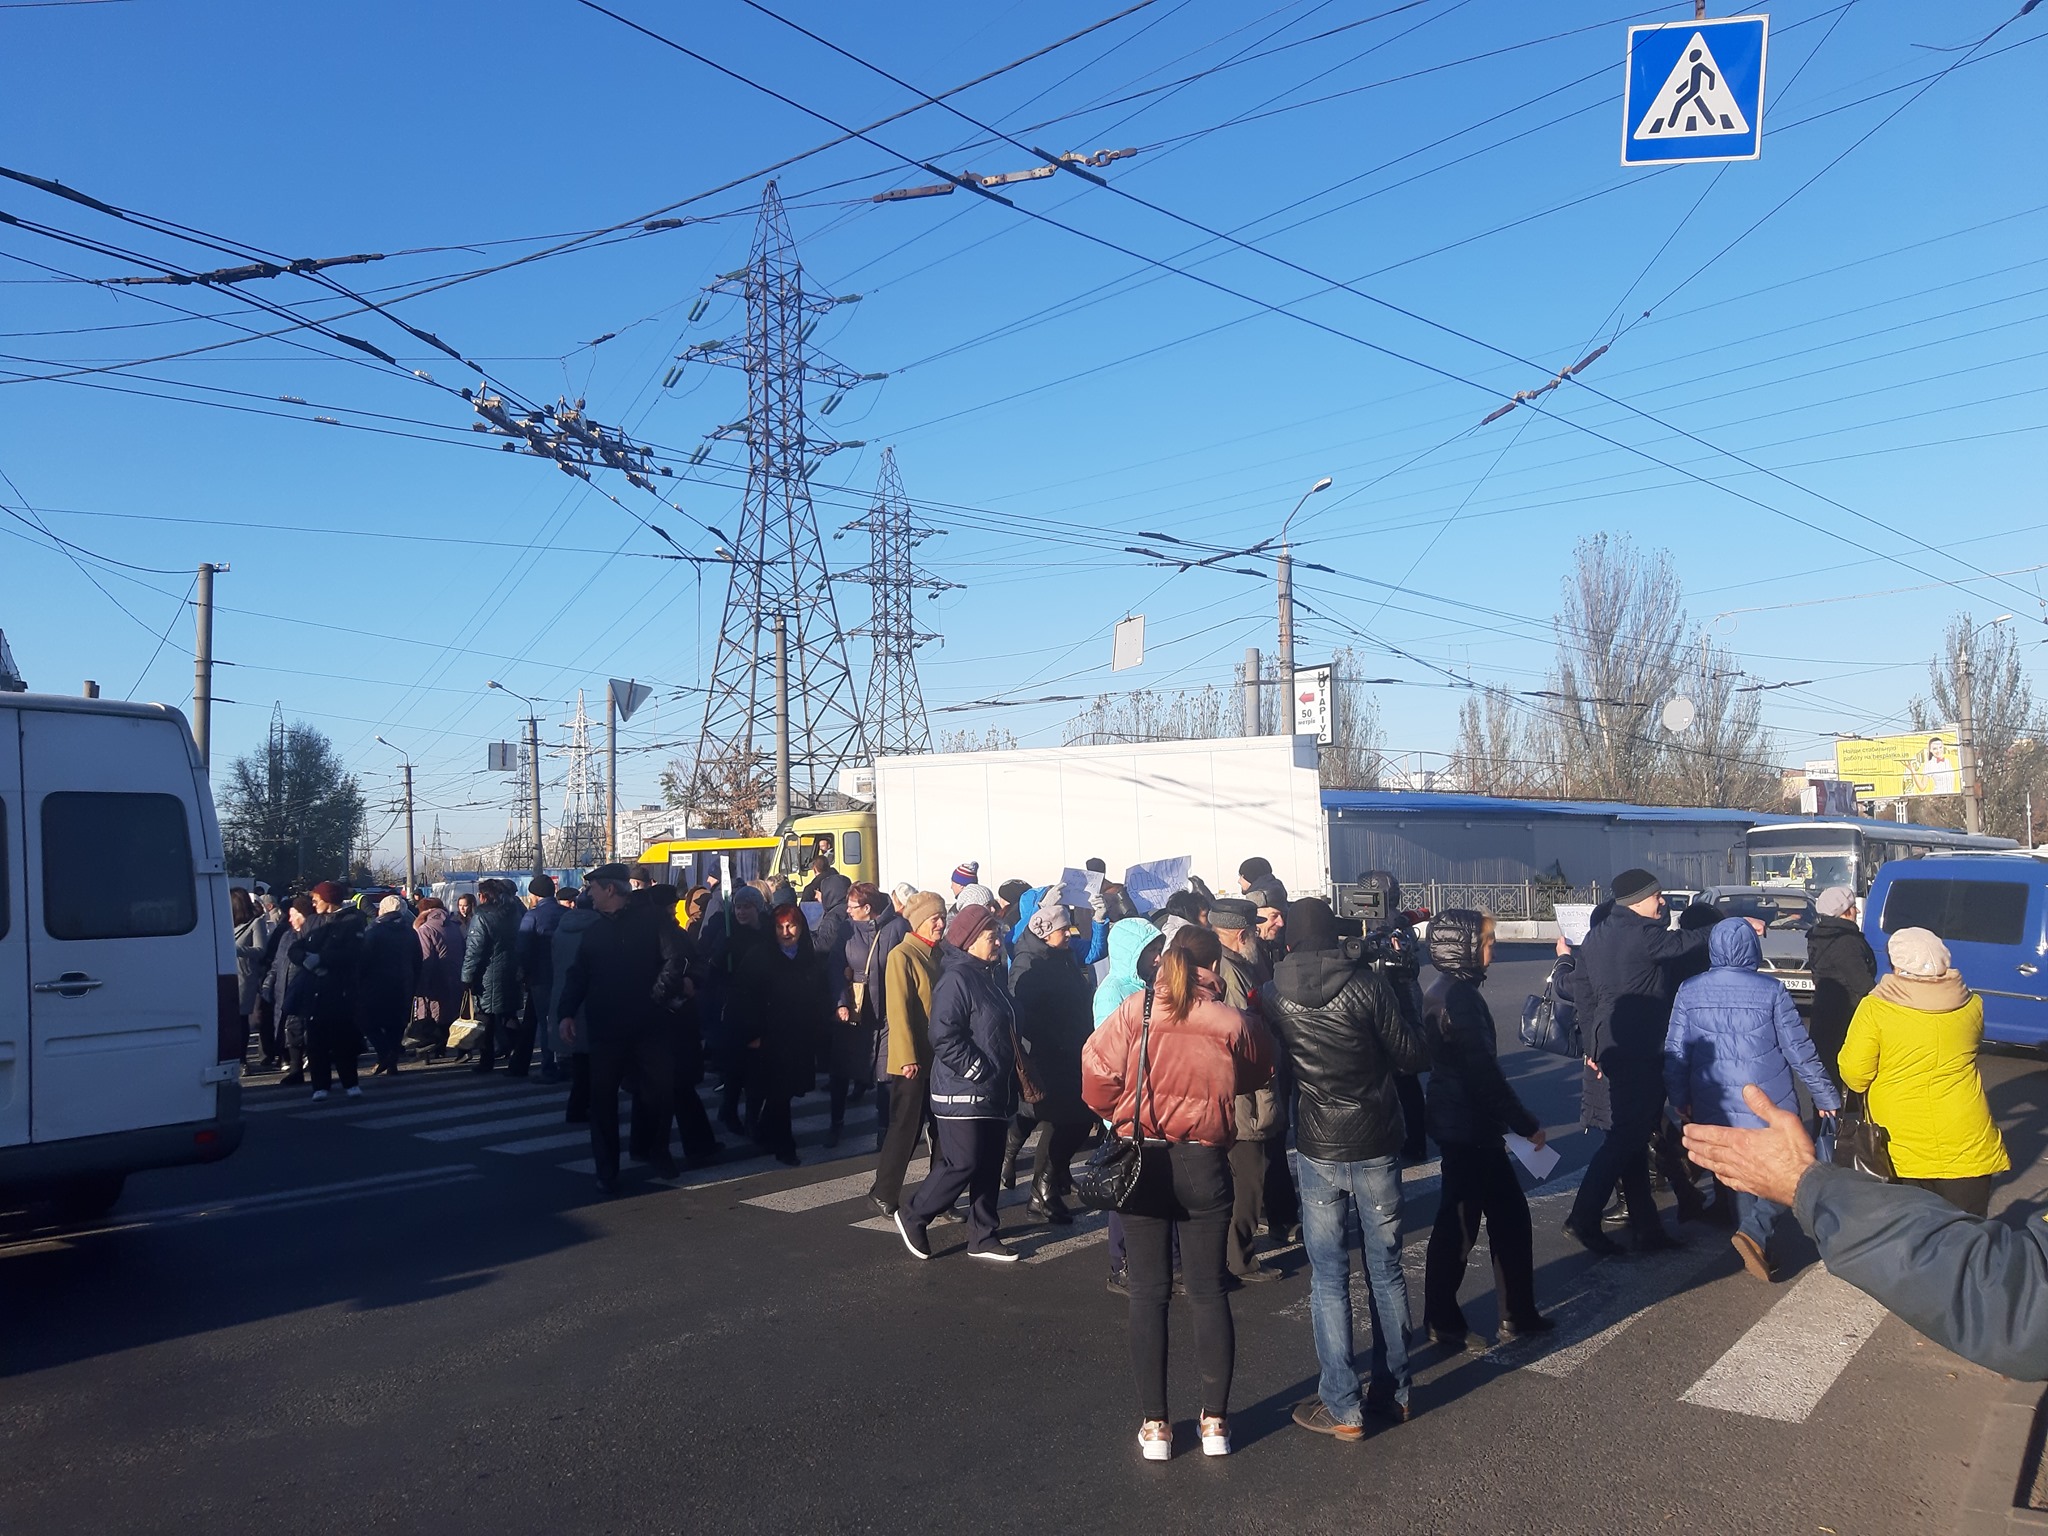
1695	91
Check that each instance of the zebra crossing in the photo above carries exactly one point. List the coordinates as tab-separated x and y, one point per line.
1779	1369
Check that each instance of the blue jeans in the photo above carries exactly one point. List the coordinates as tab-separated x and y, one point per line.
1338	1200
1756	1217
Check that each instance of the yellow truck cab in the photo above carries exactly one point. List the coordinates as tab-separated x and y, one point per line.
847	838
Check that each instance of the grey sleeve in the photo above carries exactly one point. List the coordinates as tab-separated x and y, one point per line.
1977	1287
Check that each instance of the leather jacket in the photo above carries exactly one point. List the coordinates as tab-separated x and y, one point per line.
1345	1035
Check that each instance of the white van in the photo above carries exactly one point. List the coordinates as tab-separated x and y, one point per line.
120	1040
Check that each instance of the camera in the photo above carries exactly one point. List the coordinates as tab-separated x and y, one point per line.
1384	942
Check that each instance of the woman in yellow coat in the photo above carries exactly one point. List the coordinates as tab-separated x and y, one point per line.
1912	1047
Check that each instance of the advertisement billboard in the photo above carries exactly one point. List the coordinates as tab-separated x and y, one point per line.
1917	763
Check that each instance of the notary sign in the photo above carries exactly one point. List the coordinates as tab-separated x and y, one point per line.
1695	91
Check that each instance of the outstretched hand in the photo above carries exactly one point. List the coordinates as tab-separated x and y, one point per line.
1767	1162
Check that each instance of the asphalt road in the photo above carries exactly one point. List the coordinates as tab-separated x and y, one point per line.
412	1314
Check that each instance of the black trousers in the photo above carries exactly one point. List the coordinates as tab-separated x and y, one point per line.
641	1053
1635	1093
1479	1185
909	1099
385	1027
1061	1132
1186	1185
970	1158
1972	1195
523	1029
1250	1175
1414	1144
578	1111
334	1046
495	1039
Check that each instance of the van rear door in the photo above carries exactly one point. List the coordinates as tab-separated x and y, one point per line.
1993	927
14	1056
122	1011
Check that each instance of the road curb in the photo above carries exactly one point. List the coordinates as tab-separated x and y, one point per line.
1991	1502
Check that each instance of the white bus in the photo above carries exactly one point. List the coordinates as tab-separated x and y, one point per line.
1813	855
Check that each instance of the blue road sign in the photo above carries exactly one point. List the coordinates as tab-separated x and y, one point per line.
1695	91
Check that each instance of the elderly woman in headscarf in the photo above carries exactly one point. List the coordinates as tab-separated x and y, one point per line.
1053	994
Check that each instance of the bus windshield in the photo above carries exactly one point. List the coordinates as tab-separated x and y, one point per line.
1802	860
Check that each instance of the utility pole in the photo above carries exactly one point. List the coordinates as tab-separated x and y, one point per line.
781	724
1253	724
411	866
1286	579
533	789
611	774
202	667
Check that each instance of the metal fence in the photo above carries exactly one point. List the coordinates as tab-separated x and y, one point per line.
1527	901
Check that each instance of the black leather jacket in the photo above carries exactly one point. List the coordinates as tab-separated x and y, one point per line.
1345	1035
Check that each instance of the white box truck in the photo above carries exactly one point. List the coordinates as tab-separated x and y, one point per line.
121	1038
1030	813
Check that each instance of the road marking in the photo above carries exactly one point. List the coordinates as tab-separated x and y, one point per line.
351	1109
277	1200
1784	1365
576	1138
810	1197
490	1106
473	1129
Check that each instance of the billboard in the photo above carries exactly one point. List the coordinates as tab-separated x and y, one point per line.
1917	763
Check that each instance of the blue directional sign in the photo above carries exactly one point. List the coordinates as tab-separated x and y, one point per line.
1695	91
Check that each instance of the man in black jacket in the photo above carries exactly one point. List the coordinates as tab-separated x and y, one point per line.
329	955
609	995
1844	970
1623	986
1345	1036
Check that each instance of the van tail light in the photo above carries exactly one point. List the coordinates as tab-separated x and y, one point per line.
230	1028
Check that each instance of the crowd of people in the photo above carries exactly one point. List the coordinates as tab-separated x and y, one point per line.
1212	1033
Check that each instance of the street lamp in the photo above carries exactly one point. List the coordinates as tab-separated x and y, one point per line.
411	874
532	767
1966	729
1286	580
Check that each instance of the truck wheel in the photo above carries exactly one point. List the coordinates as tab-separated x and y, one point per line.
85	1198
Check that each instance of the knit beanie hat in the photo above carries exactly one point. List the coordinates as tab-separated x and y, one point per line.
1311	924
1255	870
1835	901
968	924
1917	952
330	892
918	906
1010	890
542	886
1634	885
1049	918
965	874
974	896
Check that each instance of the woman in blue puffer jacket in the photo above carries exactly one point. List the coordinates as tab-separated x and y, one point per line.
1730	1027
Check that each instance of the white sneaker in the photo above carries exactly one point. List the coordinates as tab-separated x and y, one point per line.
319	1094
1155	1440
356	1092
1215	1436
992	1248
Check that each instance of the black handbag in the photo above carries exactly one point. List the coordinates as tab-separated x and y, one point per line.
1108	1179
1549	1022
1861	1143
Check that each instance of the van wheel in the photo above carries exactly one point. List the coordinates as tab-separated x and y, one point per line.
83	1199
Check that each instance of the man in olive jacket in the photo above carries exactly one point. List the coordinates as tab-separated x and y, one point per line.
907	983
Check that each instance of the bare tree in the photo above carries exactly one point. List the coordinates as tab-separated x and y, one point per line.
1725	757
1353	759
1497	750
2011	733
994	739
1198	714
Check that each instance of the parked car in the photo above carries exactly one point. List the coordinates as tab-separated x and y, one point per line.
121	1036
1991	909
1786	915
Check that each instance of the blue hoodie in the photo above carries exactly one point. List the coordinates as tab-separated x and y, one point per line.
1734	1026
1127	941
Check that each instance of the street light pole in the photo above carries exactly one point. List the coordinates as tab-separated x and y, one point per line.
1286	583
533	771
1966	730
411	869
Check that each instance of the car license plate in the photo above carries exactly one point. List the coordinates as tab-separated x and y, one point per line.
1797	983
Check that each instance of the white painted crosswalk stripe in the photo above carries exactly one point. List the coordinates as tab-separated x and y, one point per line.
1784	1365
444	1112
811	1197
575	1136
356	1109
476	1130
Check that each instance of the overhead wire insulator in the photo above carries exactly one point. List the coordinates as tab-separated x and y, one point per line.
697	309
669	379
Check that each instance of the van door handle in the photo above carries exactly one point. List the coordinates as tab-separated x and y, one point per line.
2027	968
70	984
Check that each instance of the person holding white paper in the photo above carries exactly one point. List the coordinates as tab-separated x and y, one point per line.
1471	1108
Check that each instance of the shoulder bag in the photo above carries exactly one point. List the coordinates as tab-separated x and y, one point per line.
1549	1023
1860	1142
1110	1176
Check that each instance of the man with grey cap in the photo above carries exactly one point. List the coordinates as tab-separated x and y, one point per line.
1624	985
1844	969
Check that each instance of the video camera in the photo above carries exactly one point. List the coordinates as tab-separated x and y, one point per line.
1384	942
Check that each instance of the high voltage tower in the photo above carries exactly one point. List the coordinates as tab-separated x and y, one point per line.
516	852
581	838
896	721
778	561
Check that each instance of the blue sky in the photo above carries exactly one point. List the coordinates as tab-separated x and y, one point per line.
1871	349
